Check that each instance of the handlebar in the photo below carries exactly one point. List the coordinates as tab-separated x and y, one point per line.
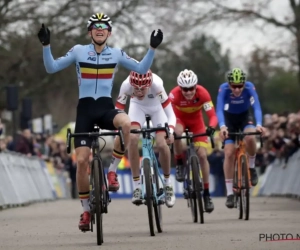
145	131
190	136
241	135
96	135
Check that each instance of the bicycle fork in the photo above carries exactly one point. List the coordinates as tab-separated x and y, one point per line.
158	196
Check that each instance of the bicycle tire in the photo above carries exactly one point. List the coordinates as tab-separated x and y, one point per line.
98	206
245	190
191	187
237	191
157	207
196	177
149	193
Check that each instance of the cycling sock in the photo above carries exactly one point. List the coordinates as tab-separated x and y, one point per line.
229	186
115	160
167	179
252	161
206	189
179	159
84	199
136	182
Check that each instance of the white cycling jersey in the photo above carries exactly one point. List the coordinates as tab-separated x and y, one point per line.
156	103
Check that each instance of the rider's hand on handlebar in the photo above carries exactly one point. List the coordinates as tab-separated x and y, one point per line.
210	131
223	133
170	140
261	129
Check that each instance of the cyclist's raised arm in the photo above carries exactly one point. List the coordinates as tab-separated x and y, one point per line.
209	108
123	94
254	101
143	66
165	101
134	65
60	63
220	105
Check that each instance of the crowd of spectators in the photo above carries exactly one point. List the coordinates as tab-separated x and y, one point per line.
282	139
46	147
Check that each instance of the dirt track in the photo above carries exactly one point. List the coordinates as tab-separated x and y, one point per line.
53	225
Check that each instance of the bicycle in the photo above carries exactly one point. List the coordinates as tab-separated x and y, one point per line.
242	176
99	195
152	195
193	183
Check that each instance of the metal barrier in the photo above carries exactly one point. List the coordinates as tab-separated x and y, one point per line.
279	181
23	180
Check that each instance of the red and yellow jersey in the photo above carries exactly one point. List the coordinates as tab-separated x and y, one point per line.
191	110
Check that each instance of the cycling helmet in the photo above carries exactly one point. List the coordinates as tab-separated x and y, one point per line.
99	17
187	79
141	80
236	76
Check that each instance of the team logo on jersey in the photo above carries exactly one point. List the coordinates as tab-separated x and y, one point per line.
196	100
92	53
150	96
92	58
252	100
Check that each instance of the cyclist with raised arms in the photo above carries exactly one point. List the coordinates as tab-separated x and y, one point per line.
233	103
96	64
148	96
188	99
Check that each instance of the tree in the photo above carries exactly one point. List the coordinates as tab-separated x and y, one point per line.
259	13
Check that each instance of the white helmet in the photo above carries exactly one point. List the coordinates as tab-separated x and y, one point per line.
187	79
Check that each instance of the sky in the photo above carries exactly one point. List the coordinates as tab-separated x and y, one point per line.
239	39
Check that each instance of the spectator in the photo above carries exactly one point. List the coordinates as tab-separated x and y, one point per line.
24	143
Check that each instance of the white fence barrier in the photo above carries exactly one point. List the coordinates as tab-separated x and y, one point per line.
279	181
23	180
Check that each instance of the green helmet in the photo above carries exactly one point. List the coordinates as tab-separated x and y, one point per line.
236	76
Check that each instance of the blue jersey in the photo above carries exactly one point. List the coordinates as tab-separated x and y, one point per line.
226	101
95	71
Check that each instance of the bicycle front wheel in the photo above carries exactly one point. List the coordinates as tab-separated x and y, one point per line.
149	193
238	201
157	206
198	186
98	184
245	192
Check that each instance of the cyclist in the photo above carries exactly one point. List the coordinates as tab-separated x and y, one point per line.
233	102
95	67
148	96
188	99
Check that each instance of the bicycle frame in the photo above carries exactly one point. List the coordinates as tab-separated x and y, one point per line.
148	153
239	152
192	152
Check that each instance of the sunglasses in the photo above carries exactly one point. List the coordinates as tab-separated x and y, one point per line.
240	86
102	26
188	89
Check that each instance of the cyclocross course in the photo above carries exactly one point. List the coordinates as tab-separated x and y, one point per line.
53	225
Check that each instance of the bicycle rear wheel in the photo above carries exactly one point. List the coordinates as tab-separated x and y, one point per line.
245	194
149	193
198	186
98	184
157	207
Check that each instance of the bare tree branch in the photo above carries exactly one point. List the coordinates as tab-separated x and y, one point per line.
249	13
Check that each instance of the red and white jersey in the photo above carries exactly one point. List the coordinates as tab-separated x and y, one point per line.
156	103
156	94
